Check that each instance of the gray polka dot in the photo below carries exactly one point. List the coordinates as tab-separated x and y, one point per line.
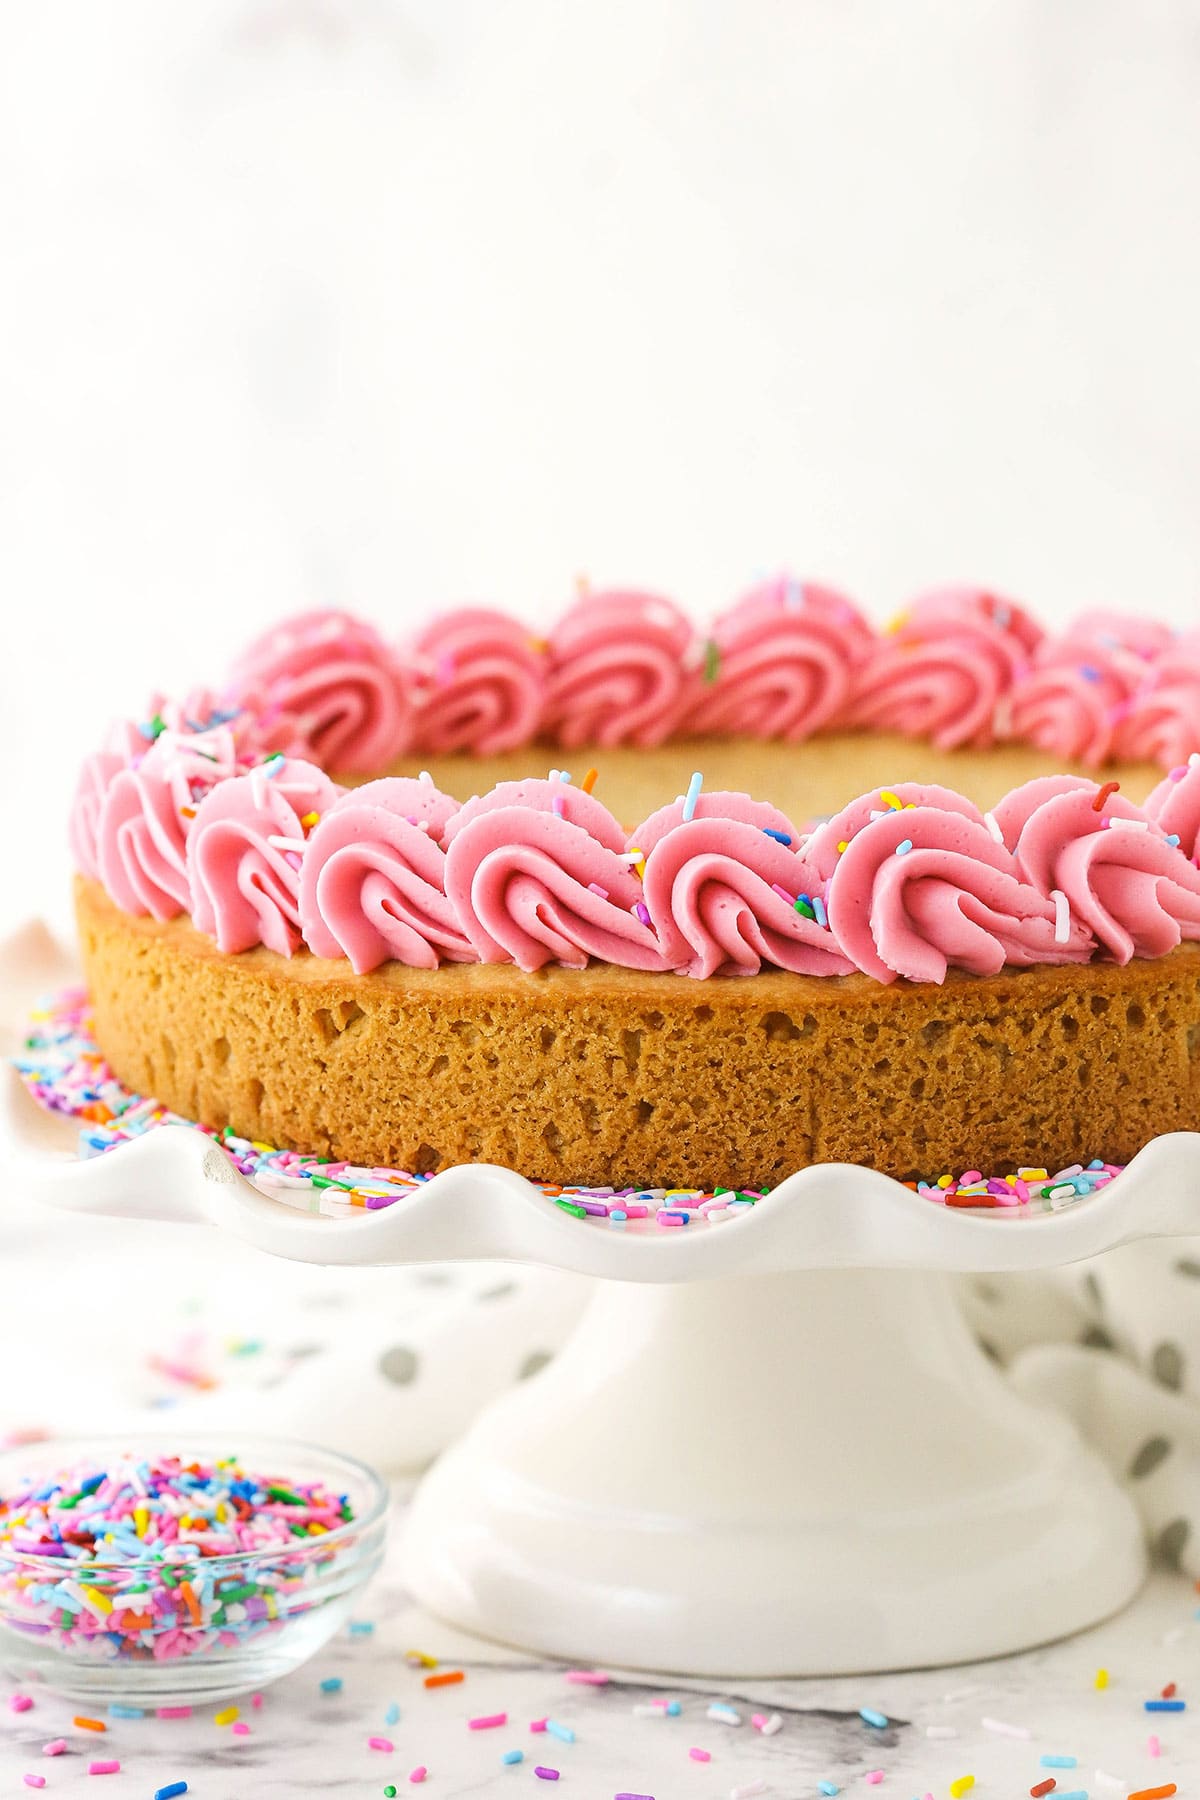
990	1350
399	1364
1096	1338
1188	1265
1154	1451
1093	1290
988	1291
537	1359
501	1291
300	1351
1167	1365
1171	1541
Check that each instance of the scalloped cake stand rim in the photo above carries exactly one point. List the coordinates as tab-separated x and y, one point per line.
831	1215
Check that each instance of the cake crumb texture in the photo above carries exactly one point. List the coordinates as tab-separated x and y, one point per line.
612	1076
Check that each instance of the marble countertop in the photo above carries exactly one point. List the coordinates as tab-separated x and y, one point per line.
306	1743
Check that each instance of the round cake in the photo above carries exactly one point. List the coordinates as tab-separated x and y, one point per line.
808	892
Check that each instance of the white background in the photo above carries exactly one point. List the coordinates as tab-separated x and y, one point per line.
394	303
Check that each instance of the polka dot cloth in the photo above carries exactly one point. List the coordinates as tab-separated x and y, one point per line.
1114	1345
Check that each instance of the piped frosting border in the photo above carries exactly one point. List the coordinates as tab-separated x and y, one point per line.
222	808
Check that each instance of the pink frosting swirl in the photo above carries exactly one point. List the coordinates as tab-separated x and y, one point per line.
482	683
1120	634
1162	721
1071	702
245	852
722	897
555	796
1138	895
141	844
826	843
530	886
194	761
719	804
130	744
1011	814
96	776
943	672
921	891
328	682
145	816
201	712
623	669
1073	699
781	661
372	881
1174	806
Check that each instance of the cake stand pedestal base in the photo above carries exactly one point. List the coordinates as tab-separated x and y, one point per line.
808	1473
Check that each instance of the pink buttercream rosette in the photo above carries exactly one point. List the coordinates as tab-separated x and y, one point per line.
1136	893
146	813
327	685
721	889
245	852
537	873
141	844
623	668
945	669
921	889
372	881
1074	698
96	775
125	746
480	683
1161	723
784	659
1174	805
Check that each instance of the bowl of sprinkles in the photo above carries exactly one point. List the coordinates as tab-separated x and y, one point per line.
130	1573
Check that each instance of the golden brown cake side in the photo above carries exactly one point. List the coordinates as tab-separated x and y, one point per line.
611	1076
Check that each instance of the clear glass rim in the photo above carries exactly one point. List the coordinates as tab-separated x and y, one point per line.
27	1457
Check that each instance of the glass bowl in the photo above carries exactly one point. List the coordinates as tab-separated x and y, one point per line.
246	1618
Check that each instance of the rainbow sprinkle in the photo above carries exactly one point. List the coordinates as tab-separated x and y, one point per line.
63	1069
152	1560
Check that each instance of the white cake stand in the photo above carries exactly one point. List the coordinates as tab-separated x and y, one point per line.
771	1447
